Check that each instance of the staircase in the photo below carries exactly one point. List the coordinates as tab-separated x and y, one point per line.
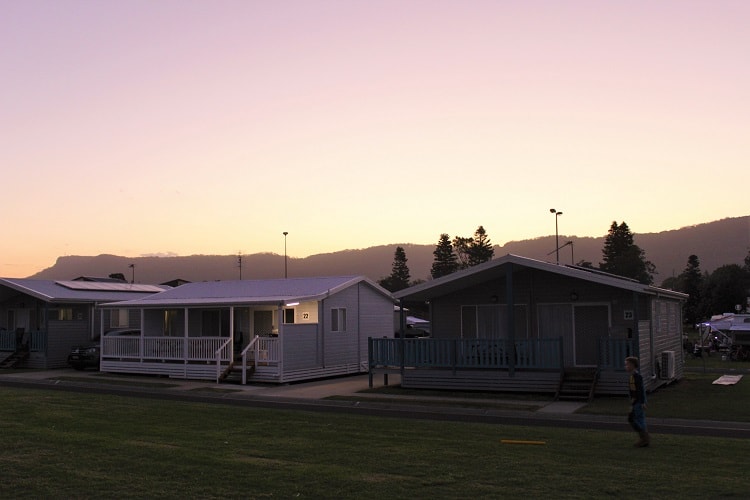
232	374
13	358
577	385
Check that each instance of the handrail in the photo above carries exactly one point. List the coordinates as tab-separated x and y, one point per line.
244	358
218	358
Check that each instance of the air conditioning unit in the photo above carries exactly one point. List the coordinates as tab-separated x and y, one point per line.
667	365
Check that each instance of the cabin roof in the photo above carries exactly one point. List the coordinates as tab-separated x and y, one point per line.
498	268
248	292
75	291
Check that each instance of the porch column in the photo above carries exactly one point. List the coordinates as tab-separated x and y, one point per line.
231	333
509	300
281	341
185	339
143	333
101	331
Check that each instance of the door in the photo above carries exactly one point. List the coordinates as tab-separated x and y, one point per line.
263	321
590	323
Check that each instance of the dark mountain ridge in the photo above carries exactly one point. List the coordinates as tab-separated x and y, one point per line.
715	243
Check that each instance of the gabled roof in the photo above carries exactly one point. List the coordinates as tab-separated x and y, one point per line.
249	292
498	268
74	291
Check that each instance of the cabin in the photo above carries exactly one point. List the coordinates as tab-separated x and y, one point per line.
519	324
275	331
41	320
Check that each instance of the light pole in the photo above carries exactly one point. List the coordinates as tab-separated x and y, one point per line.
285	271
557	235
132	275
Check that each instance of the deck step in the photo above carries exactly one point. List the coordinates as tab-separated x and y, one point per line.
14	359
577	385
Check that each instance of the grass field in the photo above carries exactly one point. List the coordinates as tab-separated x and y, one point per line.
693	397
62	445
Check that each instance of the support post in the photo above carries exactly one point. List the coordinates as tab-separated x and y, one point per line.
185	338
509	300
231	334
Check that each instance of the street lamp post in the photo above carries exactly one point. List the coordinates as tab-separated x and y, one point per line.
557	235
285	268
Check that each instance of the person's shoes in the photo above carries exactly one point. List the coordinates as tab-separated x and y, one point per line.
644	441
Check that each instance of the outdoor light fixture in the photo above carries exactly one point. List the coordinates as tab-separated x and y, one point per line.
573	296
557	236
292	304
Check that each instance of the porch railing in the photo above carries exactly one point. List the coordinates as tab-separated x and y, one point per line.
222	352
121	347
164	348
612	353
9	341
267	351
532	354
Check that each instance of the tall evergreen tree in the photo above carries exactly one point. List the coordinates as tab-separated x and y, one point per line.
480	248
445	260
621	256
461	247
690	282
399	278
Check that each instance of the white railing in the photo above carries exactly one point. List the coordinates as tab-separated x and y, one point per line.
223	352
267	350
205	348
172	348
121	347
247	349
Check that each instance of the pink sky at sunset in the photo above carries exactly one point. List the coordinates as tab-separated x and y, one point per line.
212	126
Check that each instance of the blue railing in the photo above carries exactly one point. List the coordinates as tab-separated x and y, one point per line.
612	353
10	341
531	354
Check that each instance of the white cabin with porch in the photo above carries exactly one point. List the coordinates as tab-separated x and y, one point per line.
280	330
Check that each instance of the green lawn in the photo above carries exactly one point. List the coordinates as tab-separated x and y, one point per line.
62	445
693	397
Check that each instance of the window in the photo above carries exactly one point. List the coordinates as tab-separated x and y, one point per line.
288	316
62	314
338	320
491	321
170	323
119	318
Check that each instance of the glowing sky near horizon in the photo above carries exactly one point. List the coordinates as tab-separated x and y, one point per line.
186	127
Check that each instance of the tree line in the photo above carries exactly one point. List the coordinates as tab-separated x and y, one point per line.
450	256
718	292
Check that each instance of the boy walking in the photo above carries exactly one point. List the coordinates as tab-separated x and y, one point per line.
637	391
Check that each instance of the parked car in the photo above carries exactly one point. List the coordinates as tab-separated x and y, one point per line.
82	357
88	356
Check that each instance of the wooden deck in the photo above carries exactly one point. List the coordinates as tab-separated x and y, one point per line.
528	365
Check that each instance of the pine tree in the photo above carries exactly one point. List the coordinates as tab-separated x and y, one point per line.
461	247
480	248
690	281
399	278
621	256
445	260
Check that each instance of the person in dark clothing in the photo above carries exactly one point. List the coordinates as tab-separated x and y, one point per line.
637	391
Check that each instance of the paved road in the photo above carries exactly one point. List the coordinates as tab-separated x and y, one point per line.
287	398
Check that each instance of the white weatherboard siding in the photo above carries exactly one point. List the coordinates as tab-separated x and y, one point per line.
373	318
300	347
340	347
